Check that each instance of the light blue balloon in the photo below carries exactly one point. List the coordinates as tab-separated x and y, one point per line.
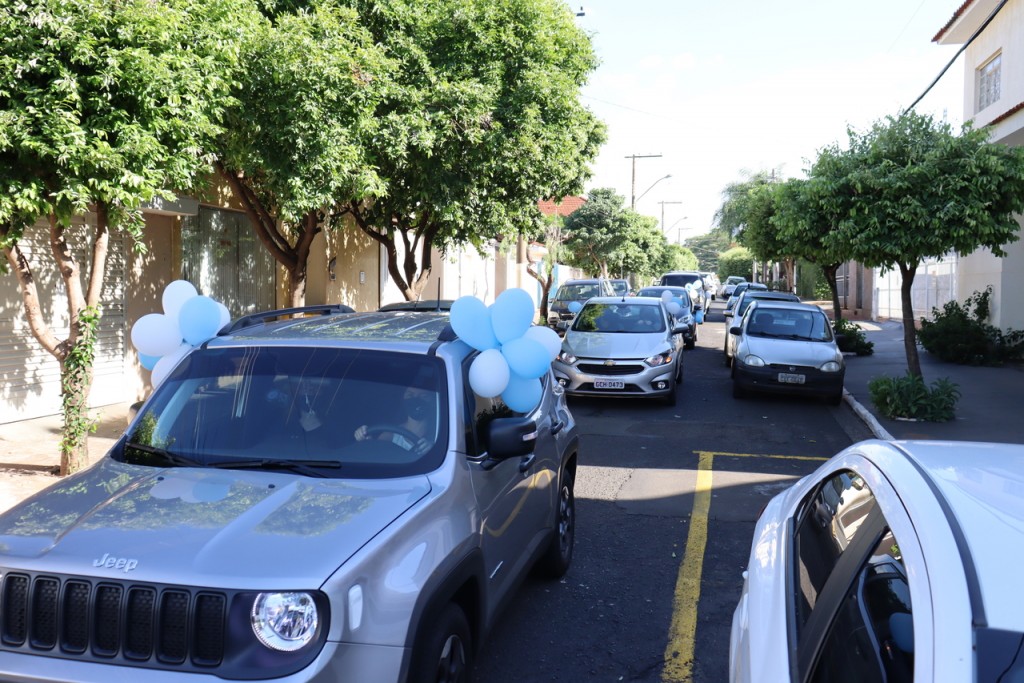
678	300
199	319
522	394
471	321
575	307
511	314
148	362
526	357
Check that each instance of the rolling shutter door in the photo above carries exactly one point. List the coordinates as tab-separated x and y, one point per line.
30	376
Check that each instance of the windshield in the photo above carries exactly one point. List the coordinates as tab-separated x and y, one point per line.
734	280
790	324
292	407
580	292
621	287
620	318
680	279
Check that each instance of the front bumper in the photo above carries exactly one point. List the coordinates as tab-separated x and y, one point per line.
637	378
767	379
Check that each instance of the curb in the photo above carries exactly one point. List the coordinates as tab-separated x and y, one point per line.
870	420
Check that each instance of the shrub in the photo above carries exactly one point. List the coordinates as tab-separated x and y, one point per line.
961	334
852	338
909	397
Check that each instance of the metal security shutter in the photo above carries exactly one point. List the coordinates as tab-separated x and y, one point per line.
30	376
222	256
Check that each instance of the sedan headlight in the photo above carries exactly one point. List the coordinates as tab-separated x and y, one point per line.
660	359
753	361
566	357
831	366
284	621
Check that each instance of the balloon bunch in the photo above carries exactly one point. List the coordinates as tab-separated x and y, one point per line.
673	304
515	354
188	320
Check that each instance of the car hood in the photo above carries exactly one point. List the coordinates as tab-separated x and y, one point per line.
236	528
792	352
615	345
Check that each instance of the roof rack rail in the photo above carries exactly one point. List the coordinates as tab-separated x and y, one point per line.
258	318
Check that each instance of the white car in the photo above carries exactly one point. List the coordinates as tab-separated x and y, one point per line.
725	289
894	561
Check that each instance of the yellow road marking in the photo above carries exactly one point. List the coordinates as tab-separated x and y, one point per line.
683	629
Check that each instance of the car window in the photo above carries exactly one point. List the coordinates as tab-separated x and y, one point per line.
867	625
298	403
618	318
578	292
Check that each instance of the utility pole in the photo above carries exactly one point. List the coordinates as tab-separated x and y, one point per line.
634	157
663	214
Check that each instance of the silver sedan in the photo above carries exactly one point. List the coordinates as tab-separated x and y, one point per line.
622	347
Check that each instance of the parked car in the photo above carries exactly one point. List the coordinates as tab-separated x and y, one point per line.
579	291
739	289
308	499
685	316
893	561
621	287
682	278
619	347
786	347
422	305
725	290
711	284
741	306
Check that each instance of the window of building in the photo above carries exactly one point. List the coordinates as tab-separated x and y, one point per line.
988	79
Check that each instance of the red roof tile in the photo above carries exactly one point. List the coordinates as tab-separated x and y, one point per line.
956	15
549	207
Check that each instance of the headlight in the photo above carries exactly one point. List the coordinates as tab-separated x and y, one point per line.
566	357
831	366
660	359
284	621
753	361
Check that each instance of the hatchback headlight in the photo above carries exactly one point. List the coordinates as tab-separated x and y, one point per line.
831	366
566	357
660	359
284	621
753	361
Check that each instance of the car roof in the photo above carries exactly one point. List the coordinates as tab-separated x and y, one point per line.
423	305
983	487
642	300
400	330
766	295
785	305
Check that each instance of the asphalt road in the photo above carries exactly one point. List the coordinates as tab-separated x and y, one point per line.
655	579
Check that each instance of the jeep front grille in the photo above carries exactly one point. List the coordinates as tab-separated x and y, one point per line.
112	620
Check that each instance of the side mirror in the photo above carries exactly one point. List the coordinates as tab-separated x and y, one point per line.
678	327
735	330
511	437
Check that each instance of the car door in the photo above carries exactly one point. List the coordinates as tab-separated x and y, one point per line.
516	496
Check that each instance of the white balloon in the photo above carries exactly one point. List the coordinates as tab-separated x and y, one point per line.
164	366
225	315
546	337
489	374
674	308
666	296
155	334
174	297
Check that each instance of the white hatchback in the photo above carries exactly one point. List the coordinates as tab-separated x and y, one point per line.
894	561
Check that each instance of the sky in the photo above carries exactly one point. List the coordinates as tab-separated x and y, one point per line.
723	89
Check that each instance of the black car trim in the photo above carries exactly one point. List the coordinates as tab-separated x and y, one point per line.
978	618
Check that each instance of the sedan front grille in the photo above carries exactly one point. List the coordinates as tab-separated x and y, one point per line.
112	620
610	370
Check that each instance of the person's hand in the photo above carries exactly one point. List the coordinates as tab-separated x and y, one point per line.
360	433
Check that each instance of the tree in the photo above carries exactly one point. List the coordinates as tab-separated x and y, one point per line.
298	130
806	227
760	234
481	119
676	257
707	247
731	217
736	261
103	107
644	249
910	189
544	271
596	231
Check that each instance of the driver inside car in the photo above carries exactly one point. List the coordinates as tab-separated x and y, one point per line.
413	433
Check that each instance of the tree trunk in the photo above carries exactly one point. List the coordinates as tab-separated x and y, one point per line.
829	272
545	288
408	277
909	330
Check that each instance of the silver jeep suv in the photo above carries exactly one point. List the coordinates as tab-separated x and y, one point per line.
305	499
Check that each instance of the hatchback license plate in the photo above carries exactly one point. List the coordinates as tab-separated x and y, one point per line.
787	378
608	384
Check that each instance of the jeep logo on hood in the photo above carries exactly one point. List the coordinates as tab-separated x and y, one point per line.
123	563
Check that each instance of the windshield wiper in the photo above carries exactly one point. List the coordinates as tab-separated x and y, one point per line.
307	467
168	456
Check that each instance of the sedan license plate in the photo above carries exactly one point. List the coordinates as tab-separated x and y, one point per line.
787	378
609	384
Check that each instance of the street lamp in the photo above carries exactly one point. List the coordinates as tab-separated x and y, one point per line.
679	233
648	190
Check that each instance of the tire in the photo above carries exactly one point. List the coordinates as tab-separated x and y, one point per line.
836	398
557	559
670	397
445	652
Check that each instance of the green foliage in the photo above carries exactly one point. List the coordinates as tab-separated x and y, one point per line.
736	261
596	231
962	334
909	397
75	378
707	249
677	258
644	250
853	338
742	202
